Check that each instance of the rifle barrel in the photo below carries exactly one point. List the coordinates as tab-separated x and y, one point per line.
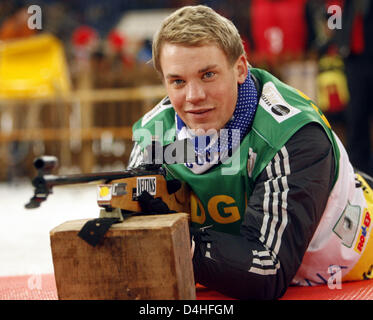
57	180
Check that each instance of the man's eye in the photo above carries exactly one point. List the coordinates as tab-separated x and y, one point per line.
208	75
177	82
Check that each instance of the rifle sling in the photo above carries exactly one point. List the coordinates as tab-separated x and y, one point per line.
94	230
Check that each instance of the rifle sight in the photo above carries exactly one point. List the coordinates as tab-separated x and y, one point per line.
45	163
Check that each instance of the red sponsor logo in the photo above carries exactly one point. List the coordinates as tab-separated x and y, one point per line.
363	233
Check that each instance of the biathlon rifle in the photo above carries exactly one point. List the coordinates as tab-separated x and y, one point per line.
116	190
140	190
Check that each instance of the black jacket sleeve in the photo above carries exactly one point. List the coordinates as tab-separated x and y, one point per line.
283	212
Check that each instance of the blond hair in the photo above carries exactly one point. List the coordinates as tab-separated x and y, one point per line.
197	26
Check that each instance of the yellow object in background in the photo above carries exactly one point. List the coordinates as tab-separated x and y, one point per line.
33	67
332	90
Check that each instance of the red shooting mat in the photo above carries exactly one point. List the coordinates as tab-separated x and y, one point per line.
43	287
358	290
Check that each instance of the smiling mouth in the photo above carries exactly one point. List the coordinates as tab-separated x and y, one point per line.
199	111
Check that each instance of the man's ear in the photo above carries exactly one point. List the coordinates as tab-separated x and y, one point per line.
241	68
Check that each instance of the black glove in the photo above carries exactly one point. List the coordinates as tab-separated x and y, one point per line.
151	205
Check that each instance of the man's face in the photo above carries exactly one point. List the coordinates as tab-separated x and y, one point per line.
201	83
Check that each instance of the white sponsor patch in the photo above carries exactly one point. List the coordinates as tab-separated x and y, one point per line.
347	225
273	102
163	105
146	183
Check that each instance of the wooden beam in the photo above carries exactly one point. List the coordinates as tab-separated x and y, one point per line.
61	134
99	95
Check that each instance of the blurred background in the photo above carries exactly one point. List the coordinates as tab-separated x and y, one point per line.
75	75
73	82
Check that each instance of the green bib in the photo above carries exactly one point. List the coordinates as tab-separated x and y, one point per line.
219	196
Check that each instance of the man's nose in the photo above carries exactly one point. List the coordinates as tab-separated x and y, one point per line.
194	92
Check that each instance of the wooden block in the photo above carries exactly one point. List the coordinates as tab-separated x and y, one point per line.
144	257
